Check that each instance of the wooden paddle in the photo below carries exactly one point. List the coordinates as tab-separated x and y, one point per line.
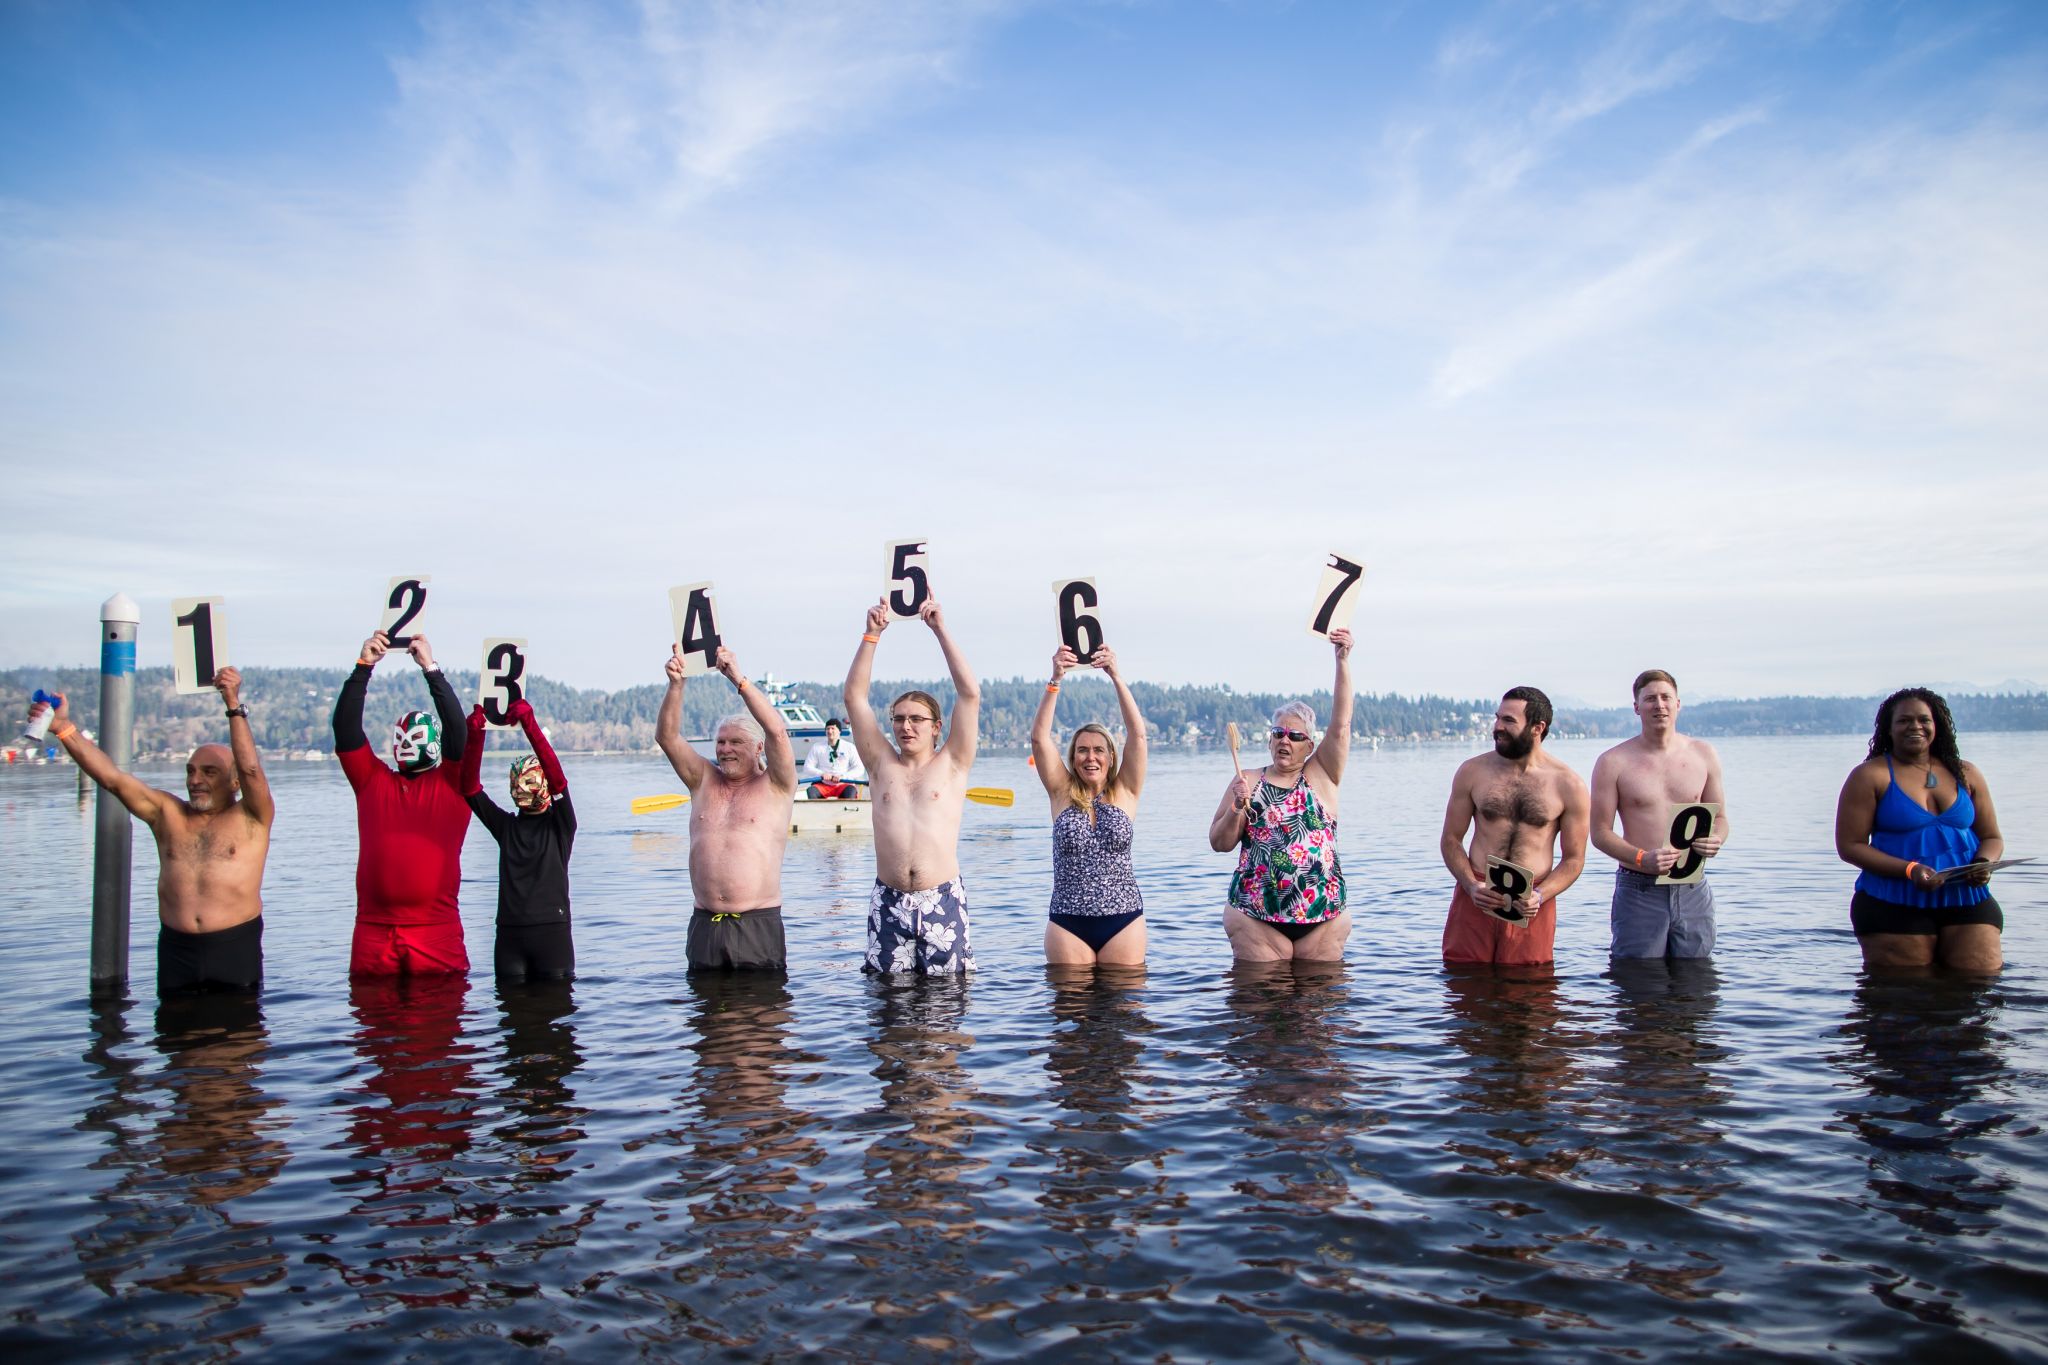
642	805
1230	733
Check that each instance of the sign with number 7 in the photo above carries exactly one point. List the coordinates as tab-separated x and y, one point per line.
1337	595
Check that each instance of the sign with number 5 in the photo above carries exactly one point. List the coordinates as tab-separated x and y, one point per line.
1690	820
905	585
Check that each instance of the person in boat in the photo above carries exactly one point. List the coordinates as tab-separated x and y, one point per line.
1910	812
1287	894
1097	913
917	911
1526	807
1640	780
410	824
210	844
833	768
534	844
739	823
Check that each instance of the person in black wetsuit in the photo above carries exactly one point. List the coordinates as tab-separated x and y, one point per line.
534	943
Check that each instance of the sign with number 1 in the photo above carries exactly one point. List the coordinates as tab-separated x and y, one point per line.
199	642
1690	820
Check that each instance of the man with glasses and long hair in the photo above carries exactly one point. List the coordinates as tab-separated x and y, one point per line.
917	912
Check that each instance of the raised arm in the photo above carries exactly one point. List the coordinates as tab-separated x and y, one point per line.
1045	752
966	718
868	741
471	781
1130	774
668	727
454	733
144	802
256	797
781	758
1335	749
348	703
550	766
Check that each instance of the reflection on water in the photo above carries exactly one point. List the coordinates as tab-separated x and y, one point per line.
1286	1043
188	1141
1523	1053
1924	1052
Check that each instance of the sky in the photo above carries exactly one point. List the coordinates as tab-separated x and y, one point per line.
1703	336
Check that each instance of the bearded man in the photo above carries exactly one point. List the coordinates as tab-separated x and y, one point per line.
1524	807
410	824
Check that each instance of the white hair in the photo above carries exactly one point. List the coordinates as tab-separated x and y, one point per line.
744	723
1296	708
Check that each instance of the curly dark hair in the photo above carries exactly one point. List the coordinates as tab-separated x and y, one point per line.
1943	748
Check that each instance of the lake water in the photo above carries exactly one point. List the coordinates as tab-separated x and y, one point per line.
1378	1159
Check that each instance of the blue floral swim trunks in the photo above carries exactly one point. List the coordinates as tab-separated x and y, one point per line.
918	931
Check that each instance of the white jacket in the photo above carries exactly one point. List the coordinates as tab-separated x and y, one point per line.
845	768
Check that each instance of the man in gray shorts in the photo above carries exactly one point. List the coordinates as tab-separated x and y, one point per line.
1641	780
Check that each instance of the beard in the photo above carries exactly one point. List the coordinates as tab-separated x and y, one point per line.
1513	747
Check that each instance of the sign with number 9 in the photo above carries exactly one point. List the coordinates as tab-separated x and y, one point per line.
1690	820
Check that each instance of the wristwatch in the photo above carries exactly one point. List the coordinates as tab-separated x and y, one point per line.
242	711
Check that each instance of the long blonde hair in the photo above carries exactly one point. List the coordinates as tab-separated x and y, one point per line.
1077	790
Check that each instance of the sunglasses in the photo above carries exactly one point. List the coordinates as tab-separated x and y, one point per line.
1298	736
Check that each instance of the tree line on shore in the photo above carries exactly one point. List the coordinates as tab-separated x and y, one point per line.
291	709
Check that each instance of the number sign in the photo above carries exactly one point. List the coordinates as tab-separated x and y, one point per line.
1337	595
199	642
1690	820
1513	881
502	680
694	609
1080	627
905	585
404	600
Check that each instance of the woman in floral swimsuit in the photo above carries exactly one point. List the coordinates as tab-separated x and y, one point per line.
1287	894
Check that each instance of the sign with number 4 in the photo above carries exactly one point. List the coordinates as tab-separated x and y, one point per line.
694	610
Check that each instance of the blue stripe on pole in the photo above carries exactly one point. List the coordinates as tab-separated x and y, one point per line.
117	658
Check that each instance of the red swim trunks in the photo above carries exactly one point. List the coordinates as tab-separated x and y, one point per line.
1472	935
407	949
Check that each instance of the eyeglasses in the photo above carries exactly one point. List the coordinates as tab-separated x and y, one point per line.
910	720
1298	736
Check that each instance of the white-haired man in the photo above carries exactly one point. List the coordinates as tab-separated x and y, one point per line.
740	804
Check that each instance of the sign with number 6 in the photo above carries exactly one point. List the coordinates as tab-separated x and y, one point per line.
502	680
694	610
199	642
1080	627
905	585
1337	595
404	601
1690	820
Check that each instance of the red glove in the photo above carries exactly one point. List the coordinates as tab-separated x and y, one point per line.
471	780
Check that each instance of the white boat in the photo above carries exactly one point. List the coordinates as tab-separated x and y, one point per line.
833	815
806	726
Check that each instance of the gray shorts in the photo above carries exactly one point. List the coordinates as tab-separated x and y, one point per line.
918	931
1660	921
747	941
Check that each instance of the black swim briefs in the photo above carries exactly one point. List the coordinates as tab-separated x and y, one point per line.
737	941
1869	915
223	960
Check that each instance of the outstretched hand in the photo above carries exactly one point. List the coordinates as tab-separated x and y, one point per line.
674	666
730	666
478	722
1063	659
1340	640
375	648
228	682
878	617
422	653
518	711
929	613
1103	658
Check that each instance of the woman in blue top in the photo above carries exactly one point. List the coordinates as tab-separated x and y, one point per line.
1909	814
1097	915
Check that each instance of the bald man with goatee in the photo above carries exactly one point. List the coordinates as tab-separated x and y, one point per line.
211	844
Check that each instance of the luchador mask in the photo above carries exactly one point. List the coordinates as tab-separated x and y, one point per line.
416	742
530	786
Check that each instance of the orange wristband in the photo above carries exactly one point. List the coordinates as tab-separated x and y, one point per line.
1639	856
739	684
64	730
1052	687
1909	870
361	662
872	639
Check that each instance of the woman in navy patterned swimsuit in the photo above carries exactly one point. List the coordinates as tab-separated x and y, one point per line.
1097	913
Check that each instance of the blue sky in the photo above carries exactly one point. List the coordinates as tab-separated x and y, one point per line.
1702	336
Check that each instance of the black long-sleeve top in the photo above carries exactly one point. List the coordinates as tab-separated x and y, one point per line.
348	713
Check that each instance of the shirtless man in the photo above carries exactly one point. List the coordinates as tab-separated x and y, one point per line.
1641	779
739	824
917	913
1525	804
210	849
